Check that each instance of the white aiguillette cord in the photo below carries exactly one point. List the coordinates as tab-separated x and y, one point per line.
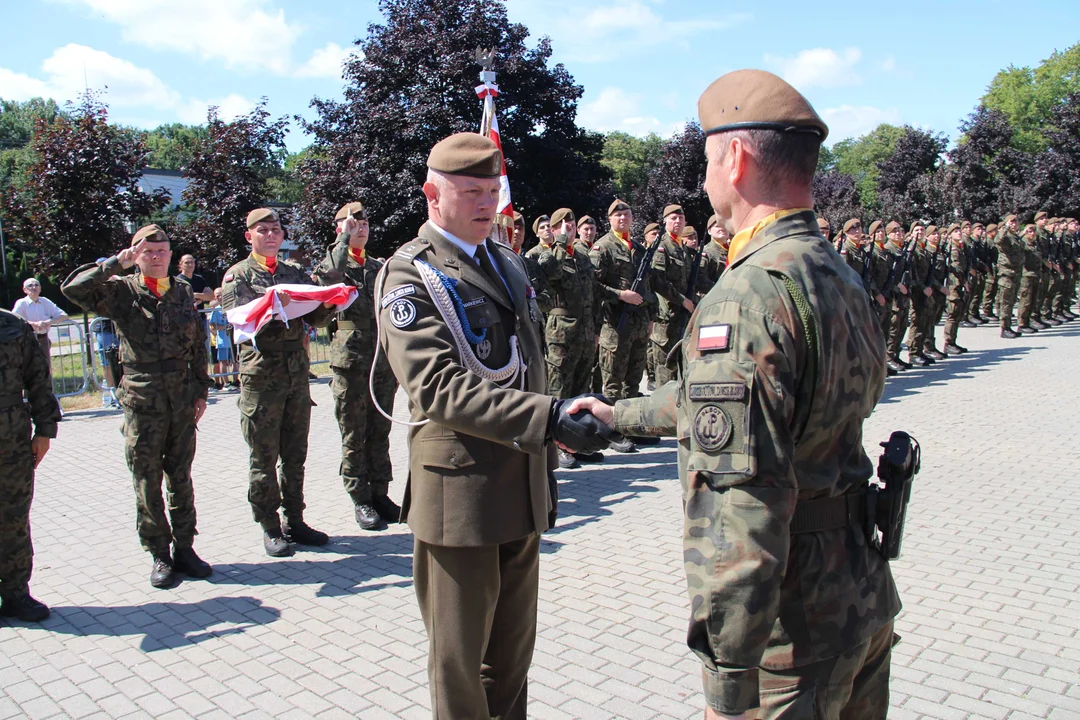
503	377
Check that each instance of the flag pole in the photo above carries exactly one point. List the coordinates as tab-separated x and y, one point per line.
487	91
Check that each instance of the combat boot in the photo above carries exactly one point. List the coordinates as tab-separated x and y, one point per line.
1039	325
951	349
1009	334
936	354
299	532
969	323
903	365
626	445
186	561
895	366
388	510
1026	330
567	461
162	574
274	541
596	457
992	317
919	360
23	607
367	517
1050	320
890	370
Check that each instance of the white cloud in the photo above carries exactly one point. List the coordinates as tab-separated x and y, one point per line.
325	62
889	64
616	109
243	34
819	67
855	120
230	107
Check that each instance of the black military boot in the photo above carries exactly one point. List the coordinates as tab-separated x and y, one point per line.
367	517
162	574
1009	334
1039	325
890	370
23	607
626	445
919	360
903	365
299	532
596	457
274	541
969	323
567	461
1026	330
936	354
894	366
388	510
953	349
186	561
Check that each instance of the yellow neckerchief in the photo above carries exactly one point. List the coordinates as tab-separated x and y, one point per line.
675	239
744	236
158	286
358	255
266	263
625	237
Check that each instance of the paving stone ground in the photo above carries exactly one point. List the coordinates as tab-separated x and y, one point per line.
989	574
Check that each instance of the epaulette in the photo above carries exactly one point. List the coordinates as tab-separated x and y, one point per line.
412	249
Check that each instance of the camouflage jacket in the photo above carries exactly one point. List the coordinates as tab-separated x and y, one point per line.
1042	245
1033	259
713	265
616	269
959	268
1010	254
861	260
768	412
600	293
671	266
882	270
162	340
570	280
939	265
24	367
280	347
354	341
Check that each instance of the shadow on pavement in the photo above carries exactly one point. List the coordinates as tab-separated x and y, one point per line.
975	361
164	625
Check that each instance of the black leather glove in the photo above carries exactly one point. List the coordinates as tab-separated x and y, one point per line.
581	432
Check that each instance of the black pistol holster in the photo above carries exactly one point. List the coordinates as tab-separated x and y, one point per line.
887	501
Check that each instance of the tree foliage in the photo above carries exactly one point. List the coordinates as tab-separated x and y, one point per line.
1057	169
915	155
17	122
677	177
631	159
991	178
859	158
412	86
81	196
1029	98
172	146
836	198
228	176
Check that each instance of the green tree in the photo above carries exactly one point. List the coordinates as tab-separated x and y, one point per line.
17	123
172	146
631	159
1029	97
859	158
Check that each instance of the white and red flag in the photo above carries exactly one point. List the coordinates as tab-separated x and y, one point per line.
249	318
489	127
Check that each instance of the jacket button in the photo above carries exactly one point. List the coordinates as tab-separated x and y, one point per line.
454	460
517	445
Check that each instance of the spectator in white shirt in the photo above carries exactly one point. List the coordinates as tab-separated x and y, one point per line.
39	312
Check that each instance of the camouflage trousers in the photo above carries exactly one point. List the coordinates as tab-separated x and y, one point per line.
852	686
365	434
1042	288
590	376
1064	298
1054	282
162	446
922	315
1029	296
990	294
897	324
569	355
16	494
662	341
622	357
937	311
974	298
955	306
1006	300
275	423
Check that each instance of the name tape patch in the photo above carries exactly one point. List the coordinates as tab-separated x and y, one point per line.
398	292
475	302
714	337
717	391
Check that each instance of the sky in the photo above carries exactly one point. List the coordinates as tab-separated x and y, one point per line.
642	63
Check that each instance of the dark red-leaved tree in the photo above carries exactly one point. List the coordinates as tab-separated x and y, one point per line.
678	177
915	155
836	198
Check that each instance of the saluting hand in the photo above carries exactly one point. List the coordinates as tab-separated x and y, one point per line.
128	256
351	226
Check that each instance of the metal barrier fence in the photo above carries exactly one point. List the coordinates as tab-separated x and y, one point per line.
78	353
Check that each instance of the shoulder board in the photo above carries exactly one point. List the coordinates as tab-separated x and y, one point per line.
413	249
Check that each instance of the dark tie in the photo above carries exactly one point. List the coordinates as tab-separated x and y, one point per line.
486	265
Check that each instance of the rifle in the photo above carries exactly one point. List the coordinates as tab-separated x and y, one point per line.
908	252
639	282
930	270
867	258
890	280
683	316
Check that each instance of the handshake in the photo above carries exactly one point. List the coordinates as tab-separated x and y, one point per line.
583	424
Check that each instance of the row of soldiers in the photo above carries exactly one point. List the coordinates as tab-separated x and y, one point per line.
968	274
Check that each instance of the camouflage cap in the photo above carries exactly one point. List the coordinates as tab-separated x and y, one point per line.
673	209
992	227
356	209
149	233
617	206
1040	215
852	224
874	227
688	232
757	100
536	224
259	215
562	215
650	227
892	227
713	220
586	220
469	154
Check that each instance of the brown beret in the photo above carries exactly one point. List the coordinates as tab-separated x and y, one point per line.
1030	226
1040	215
673	209
259	215
468	154
617	206
356	209
822	222
964	224
852	223
930	230
519	219
149	233
713	220
893	226
561	215
756	99
914	225
1009	218
874	227
650	227
586	220
954	226
992	227
976	225
688	232
536	224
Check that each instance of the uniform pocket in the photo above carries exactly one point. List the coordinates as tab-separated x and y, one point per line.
451	455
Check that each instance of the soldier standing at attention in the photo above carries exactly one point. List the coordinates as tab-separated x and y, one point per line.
462	334
783	361
651	234
958	281
518	237
897	319
622	348
1029	282
163	390
365	434
990	293
939	260
714	261
1010	263
584	245
25	369
275	399
824	228
670	274
921	298
1041	318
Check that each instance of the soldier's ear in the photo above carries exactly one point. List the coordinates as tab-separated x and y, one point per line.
431	192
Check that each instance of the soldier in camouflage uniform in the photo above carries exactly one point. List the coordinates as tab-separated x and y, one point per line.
1047	277
939	267
980	268
791	616
518	236
275	400
896	319
23	368
670	275
1068	232
163	390
714	260
1030	279
586	239
365	433
1010	264
921	299
958	281
1053	308
989	299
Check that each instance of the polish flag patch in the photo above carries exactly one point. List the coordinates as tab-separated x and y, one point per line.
713	337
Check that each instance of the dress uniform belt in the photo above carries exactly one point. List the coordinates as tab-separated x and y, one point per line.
350	325
276	347
11	400
830	513
155	368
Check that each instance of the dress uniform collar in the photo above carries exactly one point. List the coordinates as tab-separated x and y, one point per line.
468	248
444	243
